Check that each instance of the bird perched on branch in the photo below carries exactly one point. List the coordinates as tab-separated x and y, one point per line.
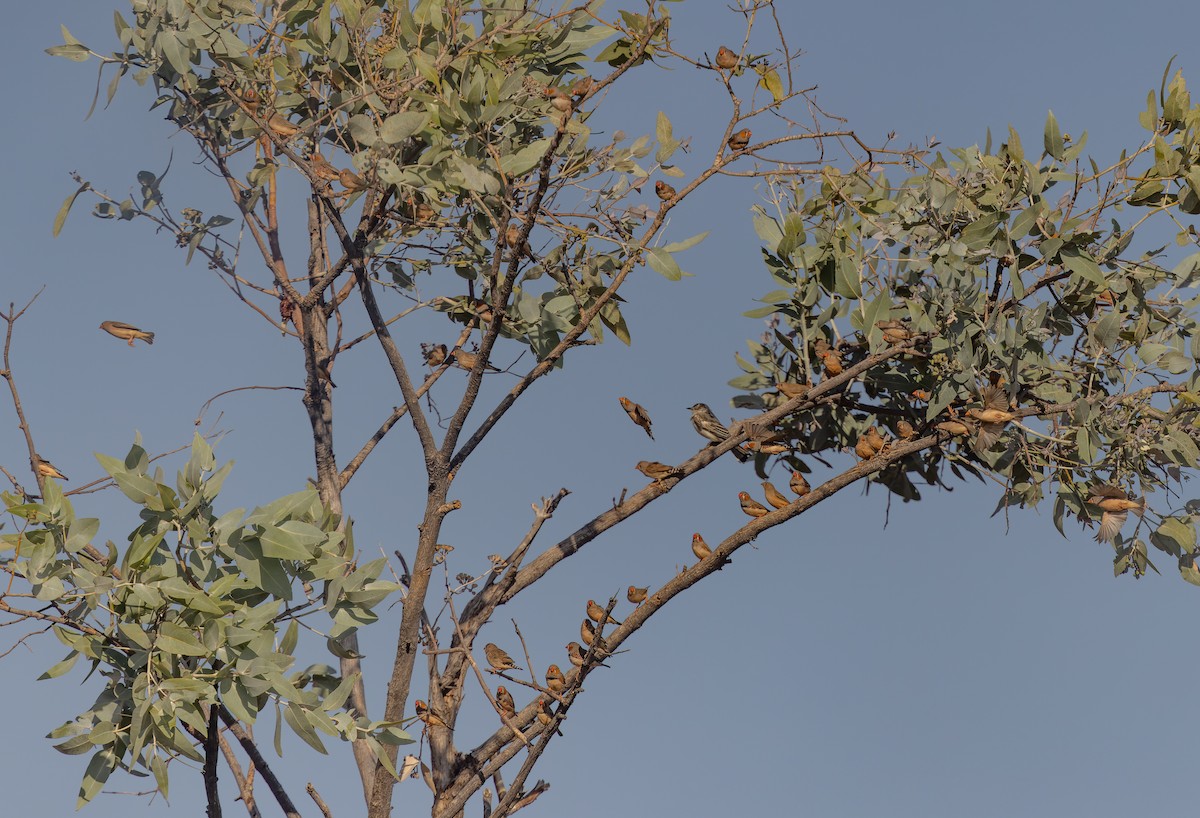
792	390
322	169
799	485
700	547
708	427
664	191
894	332
434	354
1115	505
905	429
504	701
127	332
426	715
555	680
638	414
956	427
636	595
739	140
775	496
544	717
597	614
281	125
468	360
726	59
48	469
655	470
751	506
351	180
498	659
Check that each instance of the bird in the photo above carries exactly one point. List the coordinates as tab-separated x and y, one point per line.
636	595
875	439
1116	505
543	716
799	485
664	191
426	715
597	614
752	506
739	140
587	632
468	360
955	427
831	362
775	496
127	332
792	390
555	680
512	236
434	355
894	332
655	470
483	310
726	59
638	414
504	701
991	417
582	86
708	427
322	169
576	653
497	658
281	125
323	373
700	547
250	100
905	430
351	180
559	100
48	469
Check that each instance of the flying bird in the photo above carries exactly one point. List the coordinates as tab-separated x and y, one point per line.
1116	505
638	414
127	332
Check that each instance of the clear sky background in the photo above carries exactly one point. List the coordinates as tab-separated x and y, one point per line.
949	664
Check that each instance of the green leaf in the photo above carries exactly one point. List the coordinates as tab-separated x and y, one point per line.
680	246
660	261
98	770
769	80
62	667
1082	265
362	128
1052	139
178	641
398	127
61	218
667	143
297	719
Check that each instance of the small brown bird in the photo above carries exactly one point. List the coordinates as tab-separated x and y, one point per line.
582	86
655	470
504	701
863	448
1116	505
596	614
707	426
992	416
512	234
831	362
954	427
774	496
543	715
587	632
483	310
127	332
700	547
281	125
765	447
726	59
664	191
434	355
468	360
739	140
426	715
636	595
792	390
48	469
752	506
322	169
555	680
905	430
894	332
799	485
251	100
875	439
497	658
559	100
638	414
351	180
575	653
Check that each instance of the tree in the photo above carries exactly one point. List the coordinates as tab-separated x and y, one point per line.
960	302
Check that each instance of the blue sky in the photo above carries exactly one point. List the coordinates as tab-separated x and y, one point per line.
949	664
